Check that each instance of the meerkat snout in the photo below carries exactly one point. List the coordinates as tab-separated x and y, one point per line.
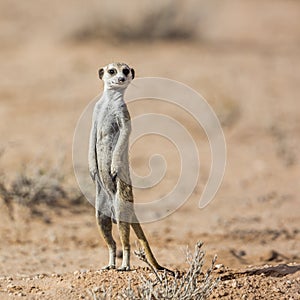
121	79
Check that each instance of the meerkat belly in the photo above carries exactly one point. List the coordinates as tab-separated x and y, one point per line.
106	142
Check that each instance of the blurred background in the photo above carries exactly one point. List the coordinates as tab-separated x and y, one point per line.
243	56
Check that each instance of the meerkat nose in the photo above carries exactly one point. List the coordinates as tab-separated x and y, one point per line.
121	79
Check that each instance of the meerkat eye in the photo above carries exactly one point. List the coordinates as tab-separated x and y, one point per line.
112	71
126	72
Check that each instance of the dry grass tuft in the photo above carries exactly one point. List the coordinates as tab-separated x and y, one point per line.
193	284
34	186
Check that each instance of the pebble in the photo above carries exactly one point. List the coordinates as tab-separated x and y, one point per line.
11	286
234	284
223	293
21	294
41	293
96	289
219	266
52	238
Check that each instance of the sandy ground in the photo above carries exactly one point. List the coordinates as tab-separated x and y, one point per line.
246	65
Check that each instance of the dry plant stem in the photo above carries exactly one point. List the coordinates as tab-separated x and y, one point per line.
142	256
192	285
7	197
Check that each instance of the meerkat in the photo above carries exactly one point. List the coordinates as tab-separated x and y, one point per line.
109	166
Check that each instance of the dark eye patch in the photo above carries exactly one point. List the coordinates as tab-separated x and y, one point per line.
126	72
112	71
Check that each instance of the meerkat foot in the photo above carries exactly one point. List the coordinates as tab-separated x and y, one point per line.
124	268
108	267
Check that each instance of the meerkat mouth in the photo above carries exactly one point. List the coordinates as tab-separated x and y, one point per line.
120	83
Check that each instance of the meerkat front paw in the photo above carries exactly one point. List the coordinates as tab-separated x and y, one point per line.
114	170
93	173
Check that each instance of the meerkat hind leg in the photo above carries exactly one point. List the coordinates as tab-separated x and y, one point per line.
124	232
123	210
105	226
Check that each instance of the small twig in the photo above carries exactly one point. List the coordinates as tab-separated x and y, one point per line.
140	253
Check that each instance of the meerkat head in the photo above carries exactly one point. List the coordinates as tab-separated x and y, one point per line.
116	75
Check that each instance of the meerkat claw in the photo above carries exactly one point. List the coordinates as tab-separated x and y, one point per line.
108	267
125	268
114	177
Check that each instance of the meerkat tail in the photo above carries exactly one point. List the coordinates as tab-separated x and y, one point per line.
143	241
137	228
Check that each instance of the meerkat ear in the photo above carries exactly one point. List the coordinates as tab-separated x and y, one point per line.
132	73
101	72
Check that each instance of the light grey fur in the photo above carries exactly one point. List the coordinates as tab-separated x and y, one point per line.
109	165
108	152
108	155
